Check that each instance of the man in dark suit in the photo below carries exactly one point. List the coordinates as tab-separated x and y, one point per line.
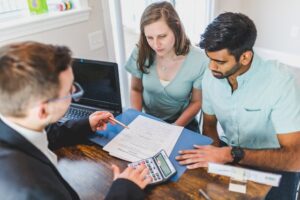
36	88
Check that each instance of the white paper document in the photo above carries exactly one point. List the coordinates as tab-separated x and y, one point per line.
237	186
243	174
144	138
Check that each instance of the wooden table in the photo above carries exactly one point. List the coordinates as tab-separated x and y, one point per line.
87	168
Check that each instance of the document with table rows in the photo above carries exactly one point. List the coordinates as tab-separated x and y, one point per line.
144	138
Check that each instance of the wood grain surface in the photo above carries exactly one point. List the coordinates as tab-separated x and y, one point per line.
88	170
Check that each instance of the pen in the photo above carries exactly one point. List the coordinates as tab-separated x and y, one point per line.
204	194
118	122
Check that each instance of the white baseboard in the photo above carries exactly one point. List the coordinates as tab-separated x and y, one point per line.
289	59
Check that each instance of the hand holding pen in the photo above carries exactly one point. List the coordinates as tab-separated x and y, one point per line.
99	119
118	122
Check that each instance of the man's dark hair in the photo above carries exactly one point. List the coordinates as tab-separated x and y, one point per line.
232	31
30	71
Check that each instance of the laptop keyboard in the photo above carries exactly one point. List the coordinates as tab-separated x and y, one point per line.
75	112
78	113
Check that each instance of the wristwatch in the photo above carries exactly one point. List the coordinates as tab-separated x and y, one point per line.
237	154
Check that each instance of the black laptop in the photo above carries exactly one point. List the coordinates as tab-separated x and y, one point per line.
100	82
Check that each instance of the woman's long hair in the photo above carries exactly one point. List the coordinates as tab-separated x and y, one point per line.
153	13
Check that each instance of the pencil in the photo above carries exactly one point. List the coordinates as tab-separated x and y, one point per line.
204	194
118	122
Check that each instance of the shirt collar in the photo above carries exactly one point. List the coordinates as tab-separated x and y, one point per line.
19	128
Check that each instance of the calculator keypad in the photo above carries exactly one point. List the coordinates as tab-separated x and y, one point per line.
153	171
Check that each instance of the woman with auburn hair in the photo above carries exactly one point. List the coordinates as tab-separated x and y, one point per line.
166	69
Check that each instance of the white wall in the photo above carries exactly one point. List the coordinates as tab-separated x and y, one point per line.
227	6
277	23
75	36
193	17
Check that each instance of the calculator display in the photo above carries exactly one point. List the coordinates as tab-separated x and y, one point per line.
163	165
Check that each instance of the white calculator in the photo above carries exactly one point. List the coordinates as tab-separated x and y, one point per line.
160	167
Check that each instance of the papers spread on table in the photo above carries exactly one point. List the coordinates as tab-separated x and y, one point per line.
243	174
144	138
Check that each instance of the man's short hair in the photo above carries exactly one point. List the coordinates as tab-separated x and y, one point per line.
232	31
29	71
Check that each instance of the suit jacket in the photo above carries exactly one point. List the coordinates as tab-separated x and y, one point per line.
26	173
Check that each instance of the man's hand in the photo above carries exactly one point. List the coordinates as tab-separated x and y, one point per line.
201	155
99	119
138	176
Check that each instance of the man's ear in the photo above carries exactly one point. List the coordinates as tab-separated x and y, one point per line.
43	111
246	58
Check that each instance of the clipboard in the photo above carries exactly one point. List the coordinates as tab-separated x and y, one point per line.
186	139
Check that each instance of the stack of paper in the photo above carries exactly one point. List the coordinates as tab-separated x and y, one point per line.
144	138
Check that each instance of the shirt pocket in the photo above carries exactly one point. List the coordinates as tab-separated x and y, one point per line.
249	109
255	117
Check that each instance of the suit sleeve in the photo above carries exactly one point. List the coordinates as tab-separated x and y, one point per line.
68	133
125	190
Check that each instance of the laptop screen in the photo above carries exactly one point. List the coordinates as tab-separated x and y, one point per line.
100	82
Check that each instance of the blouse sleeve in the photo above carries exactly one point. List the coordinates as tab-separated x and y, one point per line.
202	63
131	65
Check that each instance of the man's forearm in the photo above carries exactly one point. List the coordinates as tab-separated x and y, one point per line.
284	159
213	134
68	133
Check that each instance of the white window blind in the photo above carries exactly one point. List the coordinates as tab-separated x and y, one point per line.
16	20
10	9
7	6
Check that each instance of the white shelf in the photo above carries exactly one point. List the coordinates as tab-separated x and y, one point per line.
38	23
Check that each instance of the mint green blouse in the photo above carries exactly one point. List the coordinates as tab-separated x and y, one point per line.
170	101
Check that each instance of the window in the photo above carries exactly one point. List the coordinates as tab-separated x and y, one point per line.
16	20
12	9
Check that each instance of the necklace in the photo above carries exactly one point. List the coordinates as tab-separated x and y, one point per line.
164	68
